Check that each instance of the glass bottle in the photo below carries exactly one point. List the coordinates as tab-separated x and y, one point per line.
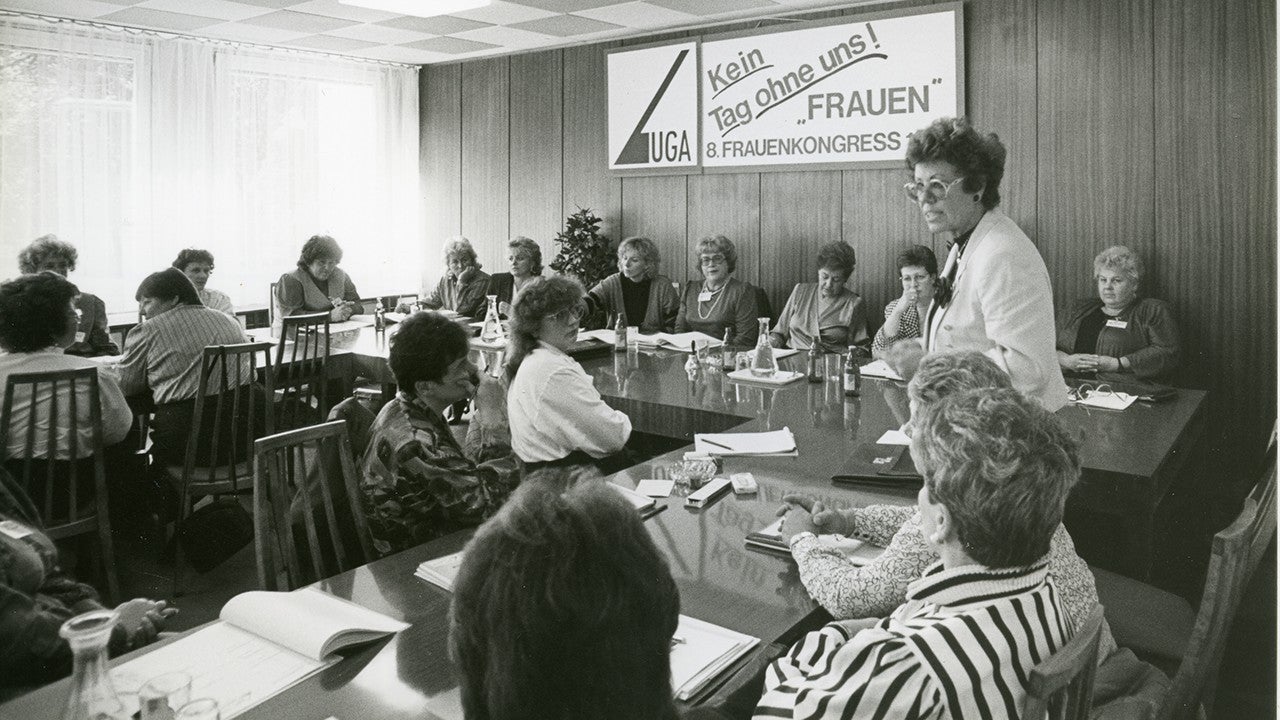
763	363
814	373
726	352
92	697
492	331
620	334
852	374
379	316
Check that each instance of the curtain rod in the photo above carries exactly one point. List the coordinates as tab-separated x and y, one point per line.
166	35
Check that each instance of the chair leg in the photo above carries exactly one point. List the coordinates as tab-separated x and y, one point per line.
107	555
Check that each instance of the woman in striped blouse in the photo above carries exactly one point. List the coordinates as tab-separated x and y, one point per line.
918	269
997	468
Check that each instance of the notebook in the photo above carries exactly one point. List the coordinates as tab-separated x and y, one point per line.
701	651
781	377
769	539
677	341
880	369
441	571
880	465
264	643
646	505
777	442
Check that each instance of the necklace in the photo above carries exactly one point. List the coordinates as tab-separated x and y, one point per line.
714	303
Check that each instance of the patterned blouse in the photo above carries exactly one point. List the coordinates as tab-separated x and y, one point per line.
418	483
908	328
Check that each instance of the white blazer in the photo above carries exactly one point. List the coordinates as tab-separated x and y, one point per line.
1002	306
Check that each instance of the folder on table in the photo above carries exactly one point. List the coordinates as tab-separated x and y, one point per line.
769	539
881	466
701	651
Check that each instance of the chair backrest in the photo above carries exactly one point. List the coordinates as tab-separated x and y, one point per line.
1236	552
301	361
1061	686
58	411
297	523
230	412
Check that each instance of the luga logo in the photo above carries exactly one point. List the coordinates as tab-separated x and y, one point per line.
662	145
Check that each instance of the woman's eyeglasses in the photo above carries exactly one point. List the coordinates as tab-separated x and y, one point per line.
1086	390
933	191
573	314
716	259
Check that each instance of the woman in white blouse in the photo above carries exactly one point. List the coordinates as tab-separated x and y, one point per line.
554	408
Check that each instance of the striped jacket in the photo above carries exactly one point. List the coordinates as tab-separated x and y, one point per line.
960	647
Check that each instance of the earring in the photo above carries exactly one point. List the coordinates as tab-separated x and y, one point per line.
977	197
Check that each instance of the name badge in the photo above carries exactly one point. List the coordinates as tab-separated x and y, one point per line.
1118	324
704	296
14	529
80	337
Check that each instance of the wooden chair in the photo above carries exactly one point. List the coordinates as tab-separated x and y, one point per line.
271	304
1160	626
301	370
1061	686
230	413
58	497
283	465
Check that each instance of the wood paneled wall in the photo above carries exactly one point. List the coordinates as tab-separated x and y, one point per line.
1150	124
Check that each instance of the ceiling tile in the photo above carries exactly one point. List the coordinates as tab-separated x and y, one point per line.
443	25
274	4
503	13
380	34
159	19
396	53
567	6
333	8
567	26
301	22
329	43
221	9
122	2
449	45
708	8
252	33
638	15
61	8
508	37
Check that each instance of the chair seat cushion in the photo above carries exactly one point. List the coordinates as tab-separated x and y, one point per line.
1127	688
1154	623
213	474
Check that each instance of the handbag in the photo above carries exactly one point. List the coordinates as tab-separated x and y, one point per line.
215	532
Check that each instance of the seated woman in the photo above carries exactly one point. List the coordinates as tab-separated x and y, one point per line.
826	310
998	468
525	259
463	287
918	270
92	336
318	284
163	356
37	596
593	640
37	322
555	410
197	265
417	482
1118	335
719	301
637	293
874	589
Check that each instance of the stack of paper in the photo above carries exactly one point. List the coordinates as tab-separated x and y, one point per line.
857	552
1108	400
441	571
643	503
605	336
677	341
780	377
701	651
778	442
880	369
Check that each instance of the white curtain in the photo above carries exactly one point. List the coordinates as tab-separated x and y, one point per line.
133	146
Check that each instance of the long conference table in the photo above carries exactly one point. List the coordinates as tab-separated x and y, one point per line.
1129	457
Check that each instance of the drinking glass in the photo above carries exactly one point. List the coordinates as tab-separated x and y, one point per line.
633	336
162	695
202	709
742	361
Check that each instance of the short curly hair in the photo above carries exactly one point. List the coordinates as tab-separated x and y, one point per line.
33	311
536	302
718	244
1003	466
458	247
43	248
192	255
918	256
319	247
1122	260
838	256
945	373
423	347
978	158
648	250
527	247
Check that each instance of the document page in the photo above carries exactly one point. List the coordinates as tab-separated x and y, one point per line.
230	665
777	442
307	621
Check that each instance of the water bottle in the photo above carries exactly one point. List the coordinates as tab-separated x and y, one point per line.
852	375
763	363
814	374
379	316
620	334
492	333
92	695
726	352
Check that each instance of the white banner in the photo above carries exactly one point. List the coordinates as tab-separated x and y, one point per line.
842	93
653	107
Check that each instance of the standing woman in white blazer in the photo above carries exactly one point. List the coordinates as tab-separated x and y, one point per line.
993	294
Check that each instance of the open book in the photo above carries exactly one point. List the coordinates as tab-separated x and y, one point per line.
677	341
264	643
643	503
700	651
778	442
769	539
880	369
